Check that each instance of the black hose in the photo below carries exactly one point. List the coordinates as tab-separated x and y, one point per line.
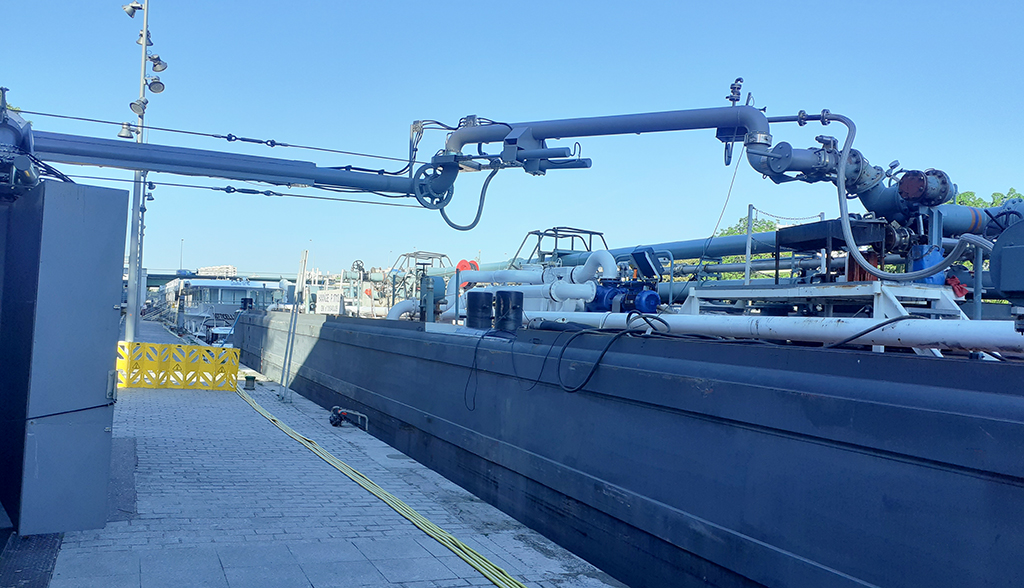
873	328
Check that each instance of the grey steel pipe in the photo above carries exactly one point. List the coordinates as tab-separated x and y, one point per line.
691	249
75	149
727	117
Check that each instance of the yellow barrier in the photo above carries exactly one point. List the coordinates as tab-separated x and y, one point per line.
192	367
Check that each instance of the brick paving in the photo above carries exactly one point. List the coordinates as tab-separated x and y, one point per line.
225	499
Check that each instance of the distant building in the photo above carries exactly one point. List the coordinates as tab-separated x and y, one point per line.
224	271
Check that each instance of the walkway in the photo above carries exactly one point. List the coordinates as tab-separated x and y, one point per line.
219	497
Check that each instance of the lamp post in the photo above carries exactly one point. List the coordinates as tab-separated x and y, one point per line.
135	289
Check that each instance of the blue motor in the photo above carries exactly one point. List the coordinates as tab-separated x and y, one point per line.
624	297
922	257
647	301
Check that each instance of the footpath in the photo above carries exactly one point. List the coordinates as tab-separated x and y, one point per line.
206	492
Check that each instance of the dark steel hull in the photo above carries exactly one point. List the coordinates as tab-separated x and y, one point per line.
689	463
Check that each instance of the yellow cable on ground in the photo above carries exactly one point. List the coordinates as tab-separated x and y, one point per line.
498	576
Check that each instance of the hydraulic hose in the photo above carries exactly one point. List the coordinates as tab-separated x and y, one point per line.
851	244
479	209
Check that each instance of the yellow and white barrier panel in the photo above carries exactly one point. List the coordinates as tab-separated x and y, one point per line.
191	367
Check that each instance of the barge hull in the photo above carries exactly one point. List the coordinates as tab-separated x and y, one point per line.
694	462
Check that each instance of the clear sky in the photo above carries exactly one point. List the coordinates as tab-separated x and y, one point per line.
934	84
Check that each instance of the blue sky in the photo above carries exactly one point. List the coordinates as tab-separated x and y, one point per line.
933	84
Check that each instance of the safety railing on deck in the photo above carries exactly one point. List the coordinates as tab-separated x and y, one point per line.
192	367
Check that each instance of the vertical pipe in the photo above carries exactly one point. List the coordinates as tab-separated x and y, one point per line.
750	231
979	280
293	320
133	263
134	246
458	286
825	252
142	240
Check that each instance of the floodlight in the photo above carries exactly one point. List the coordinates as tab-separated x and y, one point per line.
149	41
130	9
155	85
126	131
139	106
158	64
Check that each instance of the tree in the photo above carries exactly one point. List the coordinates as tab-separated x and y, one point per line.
997	198
760	225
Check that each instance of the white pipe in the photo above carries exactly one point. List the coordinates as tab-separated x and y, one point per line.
403	307
555	291
601	258
498	276
521	276
921	334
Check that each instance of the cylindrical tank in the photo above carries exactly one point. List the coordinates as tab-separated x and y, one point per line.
478	310
508	311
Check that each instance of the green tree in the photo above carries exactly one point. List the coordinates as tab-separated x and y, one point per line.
739	228
761	225
997	198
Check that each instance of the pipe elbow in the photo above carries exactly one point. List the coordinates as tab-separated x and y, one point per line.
602	259
402	308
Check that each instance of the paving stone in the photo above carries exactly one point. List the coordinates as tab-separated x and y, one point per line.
400	547
278	576
413	570
183	576
326	552
118	581
89	565
237	556
343	574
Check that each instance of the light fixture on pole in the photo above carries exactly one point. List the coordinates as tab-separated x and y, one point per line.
127	131
158	64
139	106
155	85
149	41
130	9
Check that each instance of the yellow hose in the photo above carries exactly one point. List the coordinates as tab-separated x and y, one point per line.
498	576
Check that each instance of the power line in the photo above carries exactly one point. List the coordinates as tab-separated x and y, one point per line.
228	137
252	191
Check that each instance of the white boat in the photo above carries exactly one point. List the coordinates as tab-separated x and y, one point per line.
207	308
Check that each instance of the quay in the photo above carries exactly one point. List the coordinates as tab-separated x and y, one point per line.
206	492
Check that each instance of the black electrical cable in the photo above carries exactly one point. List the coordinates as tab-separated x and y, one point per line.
647	318
873	328
232	189
229	137
593	368
543	363
357	191
49	170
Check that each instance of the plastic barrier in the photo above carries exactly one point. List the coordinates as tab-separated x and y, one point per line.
191	367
